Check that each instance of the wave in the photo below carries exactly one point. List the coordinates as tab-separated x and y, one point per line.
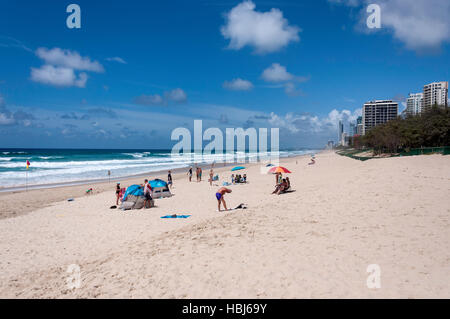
47	168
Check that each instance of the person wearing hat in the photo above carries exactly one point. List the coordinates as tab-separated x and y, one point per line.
117	193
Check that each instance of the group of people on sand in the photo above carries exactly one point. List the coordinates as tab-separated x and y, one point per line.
198	173
282	185
238	178
148	193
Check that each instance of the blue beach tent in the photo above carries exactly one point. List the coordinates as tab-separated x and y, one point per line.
156	183
160	188
135	190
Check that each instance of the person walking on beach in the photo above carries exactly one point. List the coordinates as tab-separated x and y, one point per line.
220	197
190	174
147	194
200	171
196	173
169	179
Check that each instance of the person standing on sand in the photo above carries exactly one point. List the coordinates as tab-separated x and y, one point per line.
190	174
117	194
147	194
200	171
220	194
169	179
211	175
196	172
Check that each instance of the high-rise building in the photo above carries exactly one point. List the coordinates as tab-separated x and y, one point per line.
340	131
352	129
378	112
359	126
435	93
414	104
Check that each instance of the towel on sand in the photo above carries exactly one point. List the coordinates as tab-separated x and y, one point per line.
176	216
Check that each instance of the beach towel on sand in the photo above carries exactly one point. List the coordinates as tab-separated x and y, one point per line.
176	216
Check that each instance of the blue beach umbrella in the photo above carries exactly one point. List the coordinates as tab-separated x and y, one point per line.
237	168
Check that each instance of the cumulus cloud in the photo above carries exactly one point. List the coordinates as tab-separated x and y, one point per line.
238	85
308	123
266	32
61	66
277	73
68	59
175	95
116	59
58	76
419	24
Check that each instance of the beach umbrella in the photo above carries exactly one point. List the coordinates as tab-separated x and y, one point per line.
237	168
279	169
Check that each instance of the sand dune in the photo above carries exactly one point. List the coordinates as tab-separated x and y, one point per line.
315	242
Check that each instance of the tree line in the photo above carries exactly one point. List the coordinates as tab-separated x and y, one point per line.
427	129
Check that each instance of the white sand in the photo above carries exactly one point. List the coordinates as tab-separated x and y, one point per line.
313	243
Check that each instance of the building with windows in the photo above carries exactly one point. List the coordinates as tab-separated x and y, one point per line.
378	112
340	132
414	104
435	93
359	126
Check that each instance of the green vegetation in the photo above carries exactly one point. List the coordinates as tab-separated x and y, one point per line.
429	129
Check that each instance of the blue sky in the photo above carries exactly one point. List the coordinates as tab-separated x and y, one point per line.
138	69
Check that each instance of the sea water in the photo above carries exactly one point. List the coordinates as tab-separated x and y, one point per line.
55	166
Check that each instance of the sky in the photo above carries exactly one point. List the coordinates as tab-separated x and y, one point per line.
136	70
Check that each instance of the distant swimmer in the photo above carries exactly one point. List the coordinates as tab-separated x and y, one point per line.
220	197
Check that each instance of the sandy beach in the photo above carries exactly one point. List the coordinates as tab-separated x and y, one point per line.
315	242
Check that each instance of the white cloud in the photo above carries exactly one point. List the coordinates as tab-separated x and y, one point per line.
264	31
60	68
291	90
238	85
276	73
176	95
68	59
116	59
58	76
419	24
307	123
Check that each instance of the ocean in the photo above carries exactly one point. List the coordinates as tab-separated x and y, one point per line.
58	166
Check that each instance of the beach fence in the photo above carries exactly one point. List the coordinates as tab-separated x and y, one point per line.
352	153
